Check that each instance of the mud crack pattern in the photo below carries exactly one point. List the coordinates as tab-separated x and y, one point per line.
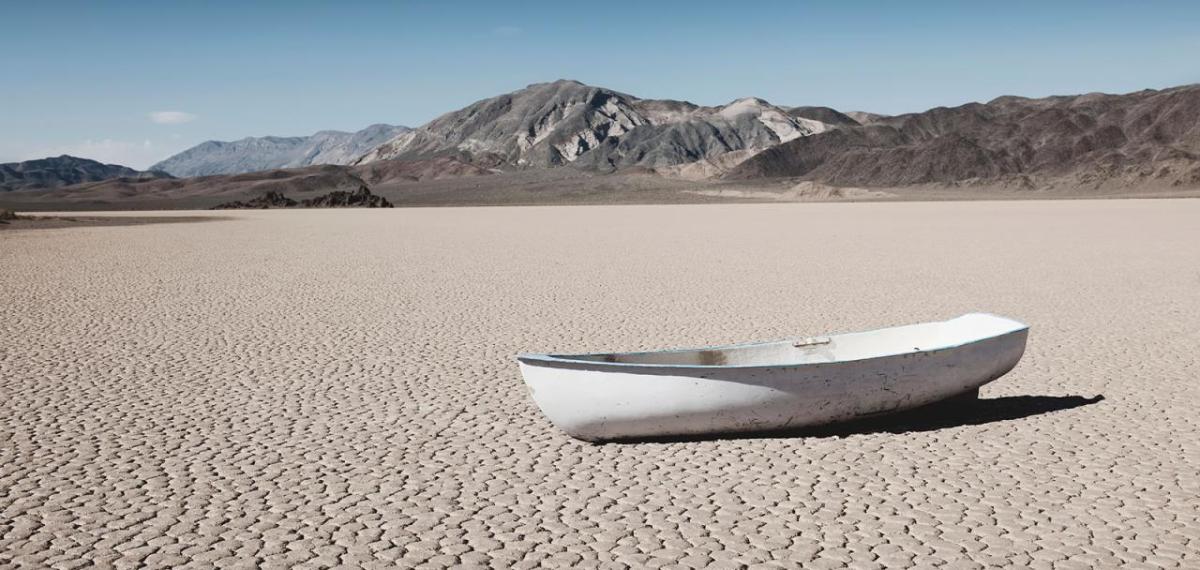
325	388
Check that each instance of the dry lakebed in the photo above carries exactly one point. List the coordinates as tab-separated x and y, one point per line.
338	387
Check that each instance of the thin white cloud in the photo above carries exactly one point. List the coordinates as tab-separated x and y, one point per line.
506	31
171	117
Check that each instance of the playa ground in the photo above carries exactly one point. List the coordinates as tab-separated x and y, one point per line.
280	387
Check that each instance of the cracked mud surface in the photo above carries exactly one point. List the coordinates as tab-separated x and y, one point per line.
337	387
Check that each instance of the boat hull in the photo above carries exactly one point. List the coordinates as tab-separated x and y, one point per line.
595	401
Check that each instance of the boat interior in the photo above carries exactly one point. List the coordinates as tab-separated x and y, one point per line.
835	348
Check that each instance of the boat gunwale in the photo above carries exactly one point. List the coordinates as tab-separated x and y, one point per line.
560	360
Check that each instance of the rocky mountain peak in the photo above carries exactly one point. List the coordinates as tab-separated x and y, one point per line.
568	122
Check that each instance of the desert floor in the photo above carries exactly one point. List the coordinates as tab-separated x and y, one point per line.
339	387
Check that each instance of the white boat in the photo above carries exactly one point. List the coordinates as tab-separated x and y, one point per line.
772	385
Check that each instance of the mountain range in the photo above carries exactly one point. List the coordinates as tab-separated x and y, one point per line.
255	154
64	170
567	122
1086	142
1147	137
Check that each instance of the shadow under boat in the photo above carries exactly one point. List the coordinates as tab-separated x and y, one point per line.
939	415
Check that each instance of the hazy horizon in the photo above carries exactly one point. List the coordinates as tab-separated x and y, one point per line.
135	83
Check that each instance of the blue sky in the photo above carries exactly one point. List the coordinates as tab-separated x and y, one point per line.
87	78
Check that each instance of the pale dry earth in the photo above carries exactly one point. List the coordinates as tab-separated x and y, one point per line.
332	387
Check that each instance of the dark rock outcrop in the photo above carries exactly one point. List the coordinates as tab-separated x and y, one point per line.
361	198
266	201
